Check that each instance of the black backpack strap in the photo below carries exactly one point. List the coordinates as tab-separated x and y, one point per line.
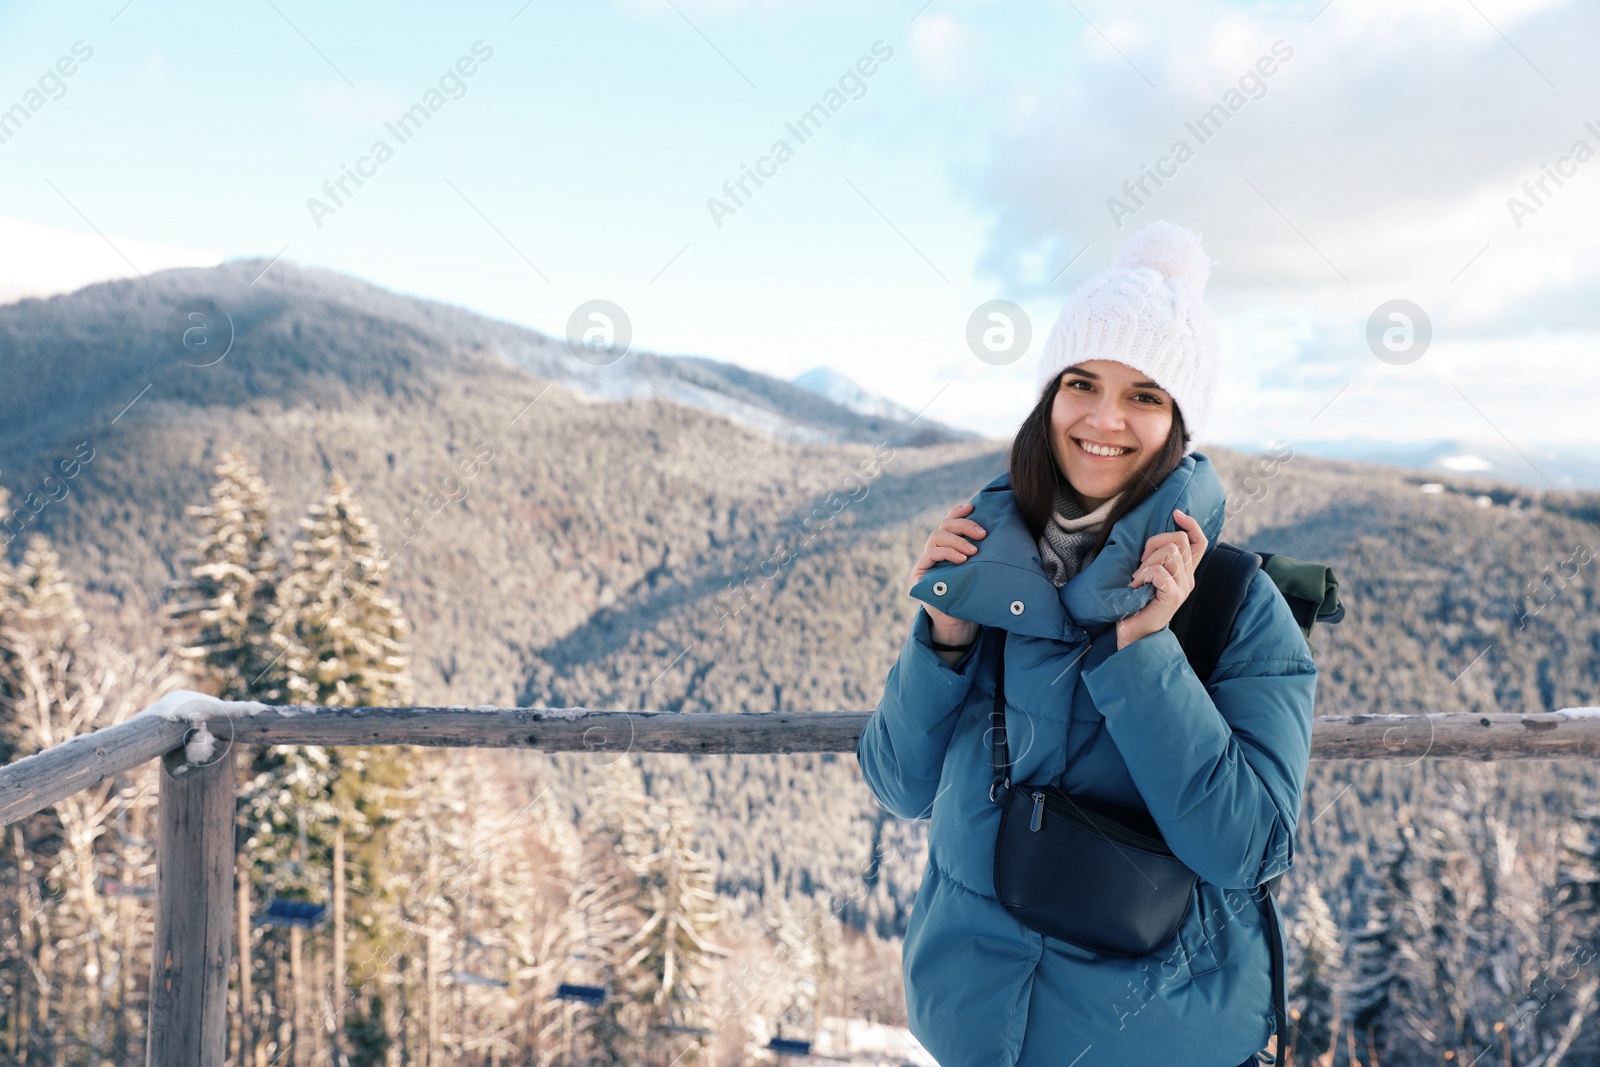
1202	626
1000	752
1280	978
1204	622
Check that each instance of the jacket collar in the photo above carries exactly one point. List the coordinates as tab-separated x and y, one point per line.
1004	583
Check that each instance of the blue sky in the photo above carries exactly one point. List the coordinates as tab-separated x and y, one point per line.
1376	162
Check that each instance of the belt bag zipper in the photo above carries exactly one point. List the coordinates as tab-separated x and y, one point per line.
1055	801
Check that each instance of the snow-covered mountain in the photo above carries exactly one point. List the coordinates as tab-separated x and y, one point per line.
345	323
827	382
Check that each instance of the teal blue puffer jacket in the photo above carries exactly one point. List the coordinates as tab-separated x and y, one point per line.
1220	767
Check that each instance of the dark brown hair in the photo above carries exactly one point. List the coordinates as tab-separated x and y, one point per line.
1034	474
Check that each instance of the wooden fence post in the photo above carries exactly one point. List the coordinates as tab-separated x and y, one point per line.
194	912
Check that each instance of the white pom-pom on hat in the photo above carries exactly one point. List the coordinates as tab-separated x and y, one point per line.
1146	311
1171	250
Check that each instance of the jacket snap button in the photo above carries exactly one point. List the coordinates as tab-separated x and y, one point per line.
1016	607
939	588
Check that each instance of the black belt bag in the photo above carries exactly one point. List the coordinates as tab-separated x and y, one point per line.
1085	872
1077	873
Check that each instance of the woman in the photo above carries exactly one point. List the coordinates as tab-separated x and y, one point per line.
1077	558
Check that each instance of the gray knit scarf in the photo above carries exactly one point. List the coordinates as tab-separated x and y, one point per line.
1064	546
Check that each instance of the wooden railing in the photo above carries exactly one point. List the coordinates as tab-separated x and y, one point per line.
194	849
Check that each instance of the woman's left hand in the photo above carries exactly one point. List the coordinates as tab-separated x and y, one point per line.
1169	564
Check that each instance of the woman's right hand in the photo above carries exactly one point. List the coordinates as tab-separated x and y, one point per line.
947	543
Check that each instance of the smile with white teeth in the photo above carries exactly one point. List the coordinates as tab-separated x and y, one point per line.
1100	450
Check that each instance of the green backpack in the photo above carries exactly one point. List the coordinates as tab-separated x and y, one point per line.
1204	622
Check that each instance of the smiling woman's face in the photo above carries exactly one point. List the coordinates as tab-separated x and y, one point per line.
1101	402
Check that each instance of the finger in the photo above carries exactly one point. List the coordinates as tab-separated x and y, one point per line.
948	537
1166	585
1188	528
945	537
1184	548
1164	556
1195	534
966	526
1161	541
1167	568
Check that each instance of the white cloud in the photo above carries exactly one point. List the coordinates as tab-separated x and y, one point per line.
1352	141
38	261
1376	166
951	55
333	102
153	71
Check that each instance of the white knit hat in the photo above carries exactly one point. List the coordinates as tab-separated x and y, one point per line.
1146	311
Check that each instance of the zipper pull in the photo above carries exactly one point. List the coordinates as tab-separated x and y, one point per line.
1038	810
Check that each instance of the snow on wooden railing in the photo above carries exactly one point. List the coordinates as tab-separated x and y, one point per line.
194	851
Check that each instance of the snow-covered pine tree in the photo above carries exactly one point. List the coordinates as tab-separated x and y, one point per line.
1577	883
40	672
583	907
339	641
827	937
810	944
1444	935
660	969
221	620
1563	997
1370	1009
1519	928
340	638
40	654
342	644
619	1028
55	685
792	995
1313	992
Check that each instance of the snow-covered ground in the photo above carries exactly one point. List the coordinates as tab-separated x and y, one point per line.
858	1041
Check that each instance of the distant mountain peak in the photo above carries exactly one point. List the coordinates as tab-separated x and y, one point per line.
838	387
